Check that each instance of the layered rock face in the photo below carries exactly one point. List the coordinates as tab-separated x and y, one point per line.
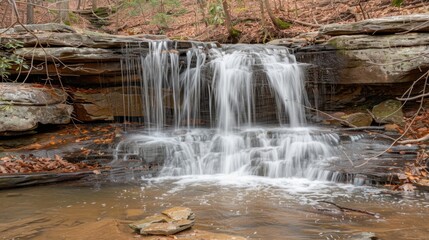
24	106
375	57
359	63
87	65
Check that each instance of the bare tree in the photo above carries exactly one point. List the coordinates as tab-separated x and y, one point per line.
30	12
278	23
233	33
63	11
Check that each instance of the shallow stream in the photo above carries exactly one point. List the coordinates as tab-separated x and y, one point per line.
249	206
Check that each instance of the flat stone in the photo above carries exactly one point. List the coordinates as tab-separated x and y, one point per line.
394	24
166	228
171	221
30	94
179	213
136	226
389	111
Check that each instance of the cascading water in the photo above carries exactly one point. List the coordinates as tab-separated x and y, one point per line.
230	77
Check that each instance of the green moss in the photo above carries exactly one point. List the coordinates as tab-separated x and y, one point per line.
282	24
234	33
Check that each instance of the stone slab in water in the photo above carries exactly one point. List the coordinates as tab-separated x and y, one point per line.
171	221
394	24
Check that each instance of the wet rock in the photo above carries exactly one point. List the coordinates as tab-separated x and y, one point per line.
171	221
105	104
179	213
389	111
394	24
358	119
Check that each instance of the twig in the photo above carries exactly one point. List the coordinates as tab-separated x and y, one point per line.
343	209
413	98
424	138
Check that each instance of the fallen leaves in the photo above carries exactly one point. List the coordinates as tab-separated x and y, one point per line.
31	164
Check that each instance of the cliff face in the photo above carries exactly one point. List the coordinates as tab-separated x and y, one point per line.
358	63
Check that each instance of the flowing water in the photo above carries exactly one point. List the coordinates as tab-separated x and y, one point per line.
228	128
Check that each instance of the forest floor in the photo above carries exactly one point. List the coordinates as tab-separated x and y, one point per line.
203	20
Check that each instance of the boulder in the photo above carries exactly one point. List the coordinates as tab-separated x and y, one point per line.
15	118
394	24
24	106
358	119
389	111
30	94
171	221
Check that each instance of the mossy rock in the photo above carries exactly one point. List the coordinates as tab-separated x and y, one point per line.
282	24
359	119
389	111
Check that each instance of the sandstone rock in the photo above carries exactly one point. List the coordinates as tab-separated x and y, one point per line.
105	104
46	27
200	234
172	221
358	119
394	24
179	213
23	118
24	106
389	111
353	42
30	94
69	54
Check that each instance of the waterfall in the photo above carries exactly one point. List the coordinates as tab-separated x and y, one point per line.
230	85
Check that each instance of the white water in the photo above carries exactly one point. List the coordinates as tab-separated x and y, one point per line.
236	146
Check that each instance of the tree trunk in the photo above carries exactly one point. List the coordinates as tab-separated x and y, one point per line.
79	2
278	23
263	24
233	33
94	4
30	12
63	11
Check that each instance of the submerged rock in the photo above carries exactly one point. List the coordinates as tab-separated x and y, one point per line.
171	221
389	111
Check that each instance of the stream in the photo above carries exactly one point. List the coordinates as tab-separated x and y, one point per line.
249	206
